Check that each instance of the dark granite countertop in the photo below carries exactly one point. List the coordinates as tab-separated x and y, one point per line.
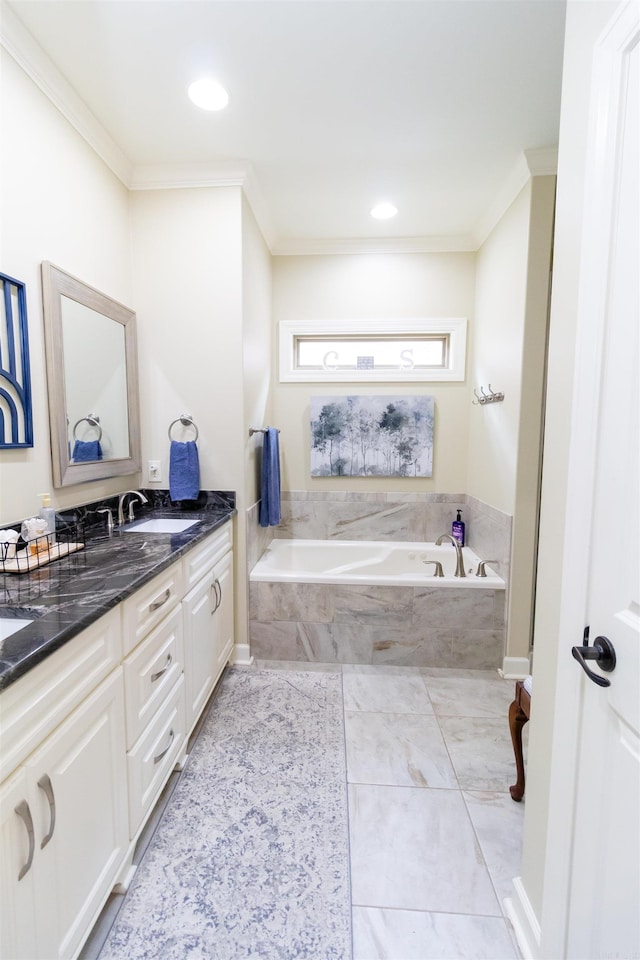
66	596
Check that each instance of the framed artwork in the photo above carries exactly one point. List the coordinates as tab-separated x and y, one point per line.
16	420
372	436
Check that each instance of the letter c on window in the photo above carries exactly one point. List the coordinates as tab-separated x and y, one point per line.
325	360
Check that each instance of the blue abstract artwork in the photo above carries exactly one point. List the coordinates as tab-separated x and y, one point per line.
372	436
16	422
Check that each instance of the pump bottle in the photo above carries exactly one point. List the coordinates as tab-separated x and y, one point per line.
457	529
48	514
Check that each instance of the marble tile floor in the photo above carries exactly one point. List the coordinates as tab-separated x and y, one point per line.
434	835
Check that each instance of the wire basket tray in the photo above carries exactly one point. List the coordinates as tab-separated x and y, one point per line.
25	557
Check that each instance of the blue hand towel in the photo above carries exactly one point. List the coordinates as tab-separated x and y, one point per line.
270	503
84	450
184	471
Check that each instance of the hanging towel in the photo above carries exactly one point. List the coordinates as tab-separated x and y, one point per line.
84	450
270	503
184	471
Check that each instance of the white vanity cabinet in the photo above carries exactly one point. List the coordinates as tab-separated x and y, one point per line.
208	618
90	737
64	826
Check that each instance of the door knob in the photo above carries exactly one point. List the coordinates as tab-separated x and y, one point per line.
602	652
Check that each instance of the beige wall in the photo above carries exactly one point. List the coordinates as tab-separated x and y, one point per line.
58	202
508	342
496	355
187	264
256	345
370	287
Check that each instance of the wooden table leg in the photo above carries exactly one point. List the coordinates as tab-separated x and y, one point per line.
517	719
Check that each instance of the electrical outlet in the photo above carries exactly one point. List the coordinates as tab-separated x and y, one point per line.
153	471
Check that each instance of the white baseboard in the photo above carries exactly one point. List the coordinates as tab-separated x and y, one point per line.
241	655
515	668
524	921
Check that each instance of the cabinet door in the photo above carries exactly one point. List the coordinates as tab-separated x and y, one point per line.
223	582
200	648
17	857
77	780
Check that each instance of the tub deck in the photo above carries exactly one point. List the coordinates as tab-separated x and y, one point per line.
370	562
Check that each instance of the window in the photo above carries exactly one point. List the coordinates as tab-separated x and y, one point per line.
372	350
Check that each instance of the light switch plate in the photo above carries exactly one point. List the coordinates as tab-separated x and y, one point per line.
154	472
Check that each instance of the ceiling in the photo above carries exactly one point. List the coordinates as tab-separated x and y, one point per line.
334	104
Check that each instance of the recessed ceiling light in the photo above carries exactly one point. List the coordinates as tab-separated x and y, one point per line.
384	211
208	94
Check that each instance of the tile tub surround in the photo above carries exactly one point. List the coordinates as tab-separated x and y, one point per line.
251	856
62	599
344	515
411	626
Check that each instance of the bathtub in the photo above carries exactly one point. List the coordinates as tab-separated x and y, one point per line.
373	562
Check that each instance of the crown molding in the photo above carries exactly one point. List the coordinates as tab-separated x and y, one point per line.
530	163
30	56
357	245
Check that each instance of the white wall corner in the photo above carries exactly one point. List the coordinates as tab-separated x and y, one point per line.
524	921
530	163
515	668
542	163
30	56
241	655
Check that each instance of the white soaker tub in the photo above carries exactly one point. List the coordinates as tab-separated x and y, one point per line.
386	563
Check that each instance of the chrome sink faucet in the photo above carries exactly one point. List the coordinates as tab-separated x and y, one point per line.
459	561
134	493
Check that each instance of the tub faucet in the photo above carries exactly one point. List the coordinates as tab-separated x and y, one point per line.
134	493
459	561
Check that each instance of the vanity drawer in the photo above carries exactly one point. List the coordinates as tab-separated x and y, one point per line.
152	758
151	671
198	561
149	605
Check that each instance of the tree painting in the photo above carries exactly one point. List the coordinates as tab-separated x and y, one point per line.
372	436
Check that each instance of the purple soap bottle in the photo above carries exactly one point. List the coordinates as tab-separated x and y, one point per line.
457	529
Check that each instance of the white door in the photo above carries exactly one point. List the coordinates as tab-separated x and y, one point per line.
603	911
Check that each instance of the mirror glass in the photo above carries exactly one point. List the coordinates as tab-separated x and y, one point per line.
92	379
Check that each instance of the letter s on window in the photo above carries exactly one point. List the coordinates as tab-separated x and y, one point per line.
407	359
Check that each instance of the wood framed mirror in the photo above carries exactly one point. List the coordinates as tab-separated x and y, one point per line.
92	376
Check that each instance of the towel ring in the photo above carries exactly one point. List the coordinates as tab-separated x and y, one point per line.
186	420
93	421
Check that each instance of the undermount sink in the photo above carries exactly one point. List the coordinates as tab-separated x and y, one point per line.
159	525
11	625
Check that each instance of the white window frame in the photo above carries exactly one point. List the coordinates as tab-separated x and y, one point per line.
453	327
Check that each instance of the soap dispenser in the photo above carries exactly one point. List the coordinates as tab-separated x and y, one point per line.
457	529
48	514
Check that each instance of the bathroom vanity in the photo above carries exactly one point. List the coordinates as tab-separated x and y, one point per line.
98	697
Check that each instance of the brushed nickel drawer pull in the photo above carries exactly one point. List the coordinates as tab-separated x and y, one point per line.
218	593
166	749
159	603
156	676
25	815
45	784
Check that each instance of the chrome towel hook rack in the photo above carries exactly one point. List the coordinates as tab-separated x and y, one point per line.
253	430
187	421
490	397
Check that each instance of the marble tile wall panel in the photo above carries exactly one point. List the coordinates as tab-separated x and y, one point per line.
375	521
455	607
489	533
384	606
404	626
258	538
293	601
